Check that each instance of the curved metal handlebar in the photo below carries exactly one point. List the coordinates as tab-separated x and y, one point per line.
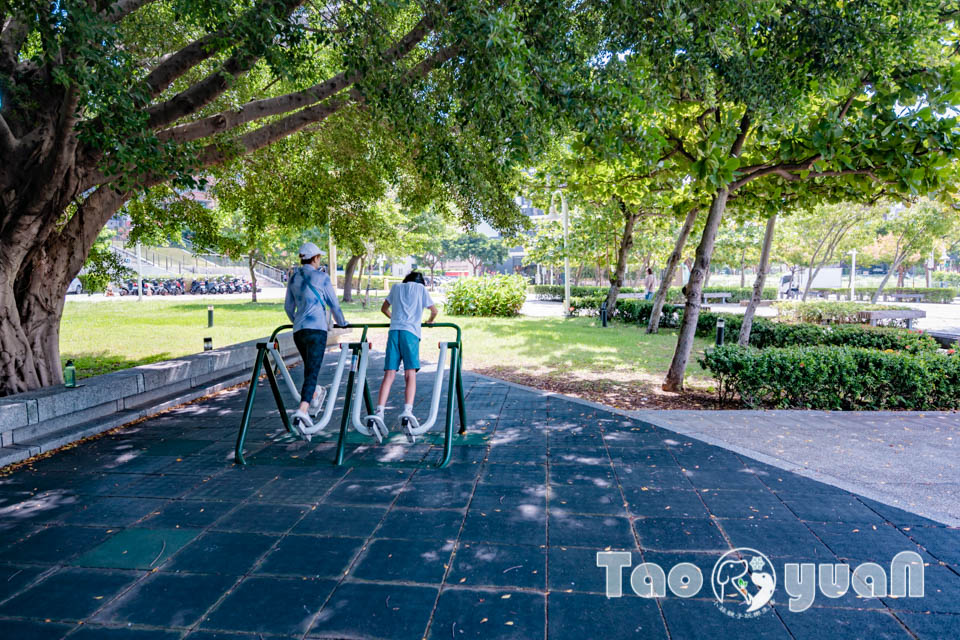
377	325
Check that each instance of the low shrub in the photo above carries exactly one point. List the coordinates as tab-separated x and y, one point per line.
934	294
94	282
823	312
946	278
555	291
835	377
500	296
767	333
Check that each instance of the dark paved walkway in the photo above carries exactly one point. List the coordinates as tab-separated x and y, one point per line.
152	533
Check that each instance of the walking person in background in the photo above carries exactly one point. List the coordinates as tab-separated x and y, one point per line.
309	294
649	284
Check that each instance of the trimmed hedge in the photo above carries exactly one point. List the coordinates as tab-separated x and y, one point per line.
824	312
766	333
674	294
499	296
835	377
946	278
933	294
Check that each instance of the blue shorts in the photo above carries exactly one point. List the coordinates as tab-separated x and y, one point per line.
402	346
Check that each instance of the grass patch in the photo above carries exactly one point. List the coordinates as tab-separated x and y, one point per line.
572	355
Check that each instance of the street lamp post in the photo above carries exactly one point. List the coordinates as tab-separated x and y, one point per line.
853	271
566	257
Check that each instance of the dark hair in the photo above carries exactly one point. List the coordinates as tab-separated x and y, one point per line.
415	276
649	270
306	260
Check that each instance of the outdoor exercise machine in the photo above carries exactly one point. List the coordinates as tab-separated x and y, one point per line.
359	355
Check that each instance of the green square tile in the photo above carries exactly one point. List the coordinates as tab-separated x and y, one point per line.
137	548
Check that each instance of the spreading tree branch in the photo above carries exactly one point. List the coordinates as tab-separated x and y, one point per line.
122	8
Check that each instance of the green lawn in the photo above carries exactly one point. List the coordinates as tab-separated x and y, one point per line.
571	355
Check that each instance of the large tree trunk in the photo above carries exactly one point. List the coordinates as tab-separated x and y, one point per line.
348	278
701	267
360	277
747	324
251	262
626	243
654	325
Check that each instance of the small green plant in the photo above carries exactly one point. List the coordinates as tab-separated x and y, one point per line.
497	296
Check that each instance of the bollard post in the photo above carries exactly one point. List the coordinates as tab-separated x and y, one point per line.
603	313
721	323
208	344
209	316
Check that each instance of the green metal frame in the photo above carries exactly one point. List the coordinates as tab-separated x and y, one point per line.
455	398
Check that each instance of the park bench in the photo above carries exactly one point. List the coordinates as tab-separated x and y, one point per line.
817	293
907	297
723	296
892	314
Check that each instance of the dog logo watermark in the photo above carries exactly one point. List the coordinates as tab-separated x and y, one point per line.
743	582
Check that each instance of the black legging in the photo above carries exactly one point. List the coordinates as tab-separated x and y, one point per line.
311	343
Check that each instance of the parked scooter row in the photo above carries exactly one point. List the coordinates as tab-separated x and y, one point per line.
176	286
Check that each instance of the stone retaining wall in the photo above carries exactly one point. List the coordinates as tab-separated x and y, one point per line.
38	421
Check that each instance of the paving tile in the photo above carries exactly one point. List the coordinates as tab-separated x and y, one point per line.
177	448
941	593
68	595
860	542
940	542
421	524
571	529
492	615
586	498
137	548
695	618
507	454
381	612
897	516
514	474
526	525
679	534
788	539
92	632
844	623
114	512
187	514
499	565
423	562
435	494
736	479
665	503
658	478
579	455
931	626
831	508
167	600
311	556
575	616
291	603
261	518
227	487
597	476
506	497
339	520
367	493
32	630
54	545
165	486
221	552
746	505
575	569
13	578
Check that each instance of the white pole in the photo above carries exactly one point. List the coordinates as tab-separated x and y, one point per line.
566	256
332	255
853	272
139	276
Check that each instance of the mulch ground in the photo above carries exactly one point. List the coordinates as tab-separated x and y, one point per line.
613	389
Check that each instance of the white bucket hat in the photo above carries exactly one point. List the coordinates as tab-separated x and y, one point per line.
309	250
